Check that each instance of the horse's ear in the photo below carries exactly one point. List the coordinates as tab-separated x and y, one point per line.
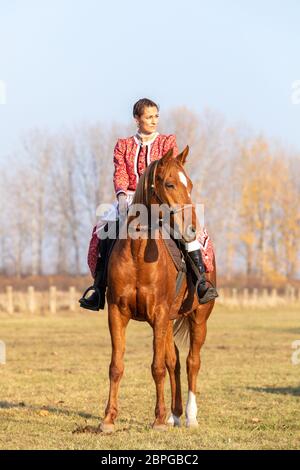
181	158
168	156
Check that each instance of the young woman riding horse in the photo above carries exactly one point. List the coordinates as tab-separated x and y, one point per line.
142	286
131	157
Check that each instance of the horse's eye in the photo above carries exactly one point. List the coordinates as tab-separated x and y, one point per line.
170	185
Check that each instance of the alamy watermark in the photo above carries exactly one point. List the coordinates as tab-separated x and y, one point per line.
3	95
2	352
295	97
296	354
181	221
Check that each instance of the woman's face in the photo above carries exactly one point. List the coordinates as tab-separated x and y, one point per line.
147	123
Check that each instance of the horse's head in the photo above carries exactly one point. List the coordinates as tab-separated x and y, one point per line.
172	187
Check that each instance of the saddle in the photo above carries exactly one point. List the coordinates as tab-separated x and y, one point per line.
185	299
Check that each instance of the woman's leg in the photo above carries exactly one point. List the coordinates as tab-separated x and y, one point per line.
97	300
206	291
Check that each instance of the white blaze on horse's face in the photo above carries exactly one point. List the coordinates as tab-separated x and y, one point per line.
183	179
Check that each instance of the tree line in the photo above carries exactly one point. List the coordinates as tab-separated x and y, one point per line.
52	184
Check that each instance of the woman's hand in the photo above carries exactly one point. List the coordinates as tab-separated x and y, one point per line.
122	206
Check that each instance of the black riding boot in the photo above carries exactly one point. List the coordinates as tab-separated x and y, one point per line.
205	293
97	300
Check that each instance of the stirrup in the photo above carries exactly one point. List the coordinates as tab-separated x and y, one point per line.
209	295
83	301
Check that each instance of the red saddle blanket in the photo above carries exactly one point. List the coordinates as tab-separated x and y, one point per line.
207	250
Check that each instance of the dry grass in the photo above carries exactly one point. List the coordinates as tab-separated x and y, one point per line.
56	378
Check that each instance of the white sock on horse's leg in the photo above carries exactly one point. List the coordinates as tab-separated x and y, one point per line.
191	410
174	420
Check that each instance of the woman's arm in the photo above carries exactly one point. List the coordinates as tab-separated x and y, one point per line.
120	178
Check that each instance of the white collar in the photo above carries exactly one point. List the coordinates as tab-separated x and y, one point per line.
138	140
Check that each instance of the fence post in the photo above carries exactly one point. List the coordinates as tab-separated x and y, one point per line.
52	299
221	293
274	297
31	299
234	296
292	294
255	295
72	299
265	296
245	296
10	303
287	293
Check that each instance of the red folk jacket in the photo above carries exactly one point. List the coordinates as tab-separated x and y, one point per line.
131	157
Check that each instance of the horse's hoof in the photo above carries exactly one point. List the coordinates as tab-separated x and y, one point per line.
192	423
174	421
108	428
159	427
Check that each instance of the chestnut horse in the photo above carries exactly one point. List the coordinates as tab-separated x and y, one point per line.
141	286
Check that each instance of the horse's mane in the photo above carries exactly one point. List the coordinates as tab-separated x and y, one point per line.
143	189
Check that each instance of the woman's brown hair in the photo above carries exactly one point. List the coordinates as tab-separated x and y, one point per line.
141	104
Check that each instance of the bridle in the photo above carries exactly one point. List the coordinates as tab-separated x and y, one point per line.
153	192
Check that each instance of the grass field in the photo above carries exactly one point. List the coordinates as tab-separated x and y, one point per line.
56	379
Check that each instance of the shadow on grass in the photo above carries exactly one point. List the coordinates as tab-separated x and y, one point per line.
294	391
294	331
51	409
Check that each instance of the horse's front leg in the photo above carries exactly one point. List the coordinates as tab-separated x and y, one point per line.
117	327
173	366
158	367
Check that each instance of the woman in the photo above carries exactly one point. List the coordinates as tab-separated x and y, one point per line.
131	156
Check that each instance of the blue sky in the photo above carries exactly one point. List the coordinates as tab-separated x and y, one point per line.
71	61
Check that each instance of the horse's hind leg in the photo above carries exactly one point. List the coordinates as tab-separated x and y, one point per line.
173	366
117	327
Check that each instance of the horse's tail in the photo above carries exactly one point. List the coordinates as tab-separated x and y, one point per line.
181	331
